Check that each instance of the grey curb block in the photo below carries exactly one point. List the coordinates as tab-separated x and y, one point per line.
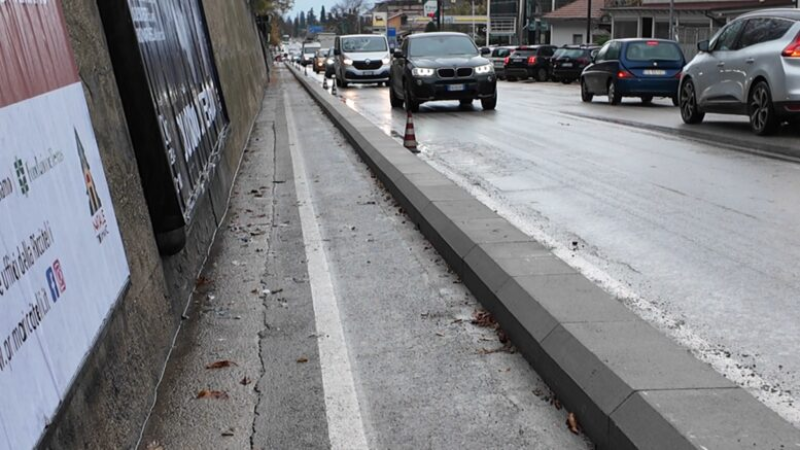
630	386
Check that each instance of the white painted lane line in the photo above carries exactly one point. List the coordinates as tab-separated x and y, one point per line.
345	425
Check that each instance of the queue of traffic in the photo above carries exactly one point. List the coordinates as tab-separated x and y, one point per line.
751	67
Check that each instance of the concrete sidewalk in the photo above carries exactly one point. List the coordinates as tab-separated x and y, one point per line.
313	246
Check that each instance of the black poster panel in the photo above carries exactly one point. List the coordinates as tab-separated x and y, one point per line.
184	86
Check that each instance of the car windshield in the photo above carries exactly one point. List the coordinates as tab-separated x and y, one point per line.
442	46
501	52
568	53
322	52
364	44
653	51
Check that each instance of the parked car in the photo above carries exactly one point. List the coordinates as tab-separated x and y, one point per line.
319	60
329	63
569	61
442	66
529	62
643	68
498	58
752	67
361	58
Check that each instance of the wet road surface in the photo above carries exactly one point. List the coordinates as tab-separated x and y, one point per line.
698	236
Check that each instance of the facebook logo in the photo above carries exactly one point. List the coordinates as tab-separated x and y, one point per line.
55	281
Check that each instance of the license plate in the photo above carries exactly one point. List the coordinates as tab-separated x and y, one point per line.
368	73
455	87
498	64
517	60
566	65
655	72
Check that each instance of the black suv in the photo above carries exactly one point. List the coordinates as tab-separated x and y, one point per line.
531	61
569	61
441	66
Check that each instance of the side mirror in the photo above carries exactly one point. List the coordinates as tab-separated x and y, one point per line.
398	54
336	52
485	51
703	46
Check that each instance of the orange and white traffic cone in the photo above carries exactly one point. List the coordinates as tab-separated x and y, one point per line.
410	139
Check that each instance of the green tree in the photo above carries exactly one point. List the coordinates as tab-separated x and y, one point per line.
266	7
302	21
311	19
431	27
322	17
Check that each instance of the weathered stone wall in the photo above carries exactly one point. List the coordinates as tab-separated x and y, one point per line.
115	389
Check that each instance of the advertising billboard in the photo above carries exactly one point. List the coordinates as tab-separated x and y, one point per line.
62	261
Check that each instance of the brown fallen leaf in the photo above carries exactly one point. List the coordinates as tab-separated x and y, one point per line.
202	281
502	336
572	424
229	432
555	402
440	334
221	364
245	381
302	360
458	321
484	319
207	393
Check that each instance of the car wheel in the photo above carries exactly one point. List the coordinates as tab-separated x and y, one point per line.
489	104
586	96
613	96
541	75
411	104
647	99
512	78
690	113
393	100
763	119
567	80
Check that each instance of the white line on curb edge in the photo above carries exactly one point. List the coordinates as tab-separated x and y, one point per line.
345	425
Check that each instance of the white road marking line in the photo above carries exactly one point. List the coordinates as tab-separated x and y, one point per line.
345	425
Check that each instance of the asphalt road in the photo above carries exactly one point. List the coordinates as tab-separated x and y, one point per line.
690	227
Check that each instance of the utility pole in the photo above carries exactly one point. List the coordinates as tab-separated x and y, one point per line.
521	21
489	21
672	19
589	23
439	6
473	19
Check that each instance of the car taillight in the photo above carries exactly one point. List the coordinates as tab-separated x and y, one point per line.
505	61
623	74
793	50
531	60
582	61
678	75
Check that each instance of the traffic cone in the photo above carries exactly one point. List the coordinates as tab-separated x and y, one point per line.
333	87
410	140
325	83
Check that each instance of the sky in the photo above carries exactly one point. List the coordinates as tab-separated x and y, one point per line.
305	5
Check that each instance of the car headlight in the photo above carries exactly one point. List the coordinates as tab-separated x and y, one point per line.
417	72
348	62
386	61
484	69
329	61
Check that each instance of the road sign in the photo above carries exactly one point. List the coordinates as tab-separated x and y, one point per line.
314	29
379	19
391	32
429	8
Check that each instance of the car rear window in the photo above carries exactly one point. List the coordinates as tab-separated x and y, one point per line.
501	52
524	53
569	53
653	51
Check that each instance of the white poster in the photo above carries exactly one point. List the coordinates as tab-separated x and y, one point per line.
62	262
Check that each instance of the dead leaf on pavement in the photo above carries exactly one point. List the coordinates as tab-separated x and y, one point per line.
555	402
483	318
572	423
202	281
302	360
221	364
207	393
440	334
245	381
229	432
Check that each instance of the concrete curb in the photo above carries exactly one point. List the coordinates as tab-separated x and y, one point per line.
630	386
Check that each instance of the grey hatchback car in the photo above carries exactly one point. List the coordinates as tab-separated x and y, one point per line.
751	67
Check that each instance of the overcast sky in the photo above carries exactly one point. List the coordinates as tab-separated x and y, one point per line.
305	5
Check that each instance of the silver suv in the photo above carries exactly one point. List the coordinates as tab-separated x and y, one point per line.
752	67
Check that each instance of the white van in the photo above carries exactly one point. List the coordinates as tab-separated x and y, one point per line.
361	58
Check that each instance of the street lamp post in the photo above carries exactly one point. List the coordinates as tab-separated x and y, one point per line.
589	22
473	19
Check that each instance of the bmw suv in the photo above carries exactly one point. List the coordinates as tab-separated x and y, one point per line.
751	67
441	66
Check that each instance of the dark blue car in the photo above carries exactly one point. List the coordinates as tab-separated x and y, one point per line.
643	68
